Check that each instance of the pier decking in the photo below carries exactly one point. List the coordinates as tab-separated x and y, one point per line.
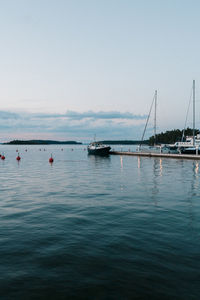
151	154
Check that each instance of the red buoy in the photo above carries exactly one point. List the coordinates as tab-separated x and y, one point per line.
51	159
2	157
18	158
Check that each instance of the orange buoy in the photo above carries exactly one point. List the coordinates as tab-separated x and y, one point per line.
18	158
51	159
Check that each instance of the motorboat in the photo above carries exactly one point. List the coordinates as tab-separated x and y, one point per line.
190	150
98	148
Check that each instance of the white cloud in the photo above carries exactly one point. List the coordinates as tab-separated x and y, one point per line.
73	125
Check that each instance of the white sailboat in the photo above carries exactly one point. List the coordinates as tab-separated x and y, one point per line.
154	148
192	143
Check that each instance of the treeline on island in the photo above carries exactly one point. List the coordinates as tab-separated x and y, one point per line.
124	142
42	142
171	136
168	137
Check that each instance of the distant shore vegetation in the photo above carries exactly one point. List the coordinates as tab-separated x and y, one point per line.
41	142
124	142
171	136
168	137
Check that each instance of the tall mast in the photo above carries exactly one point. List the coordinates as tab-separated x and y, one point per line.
193	89
146	122
155	117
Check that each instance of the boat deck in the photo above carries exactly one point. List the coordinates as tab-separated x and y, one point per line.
151	154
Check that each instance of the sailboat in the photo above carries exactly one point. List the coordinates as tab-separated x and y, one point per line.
192	144
154	148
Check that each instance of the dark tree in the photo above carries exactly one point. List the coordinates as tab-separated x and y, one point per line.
172	136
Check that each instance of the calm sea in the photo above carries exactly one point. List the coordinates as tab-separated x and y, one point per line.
91	227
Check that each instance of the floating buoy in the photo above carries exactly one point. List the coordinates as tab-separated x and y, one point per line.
51	159
2	157
18	158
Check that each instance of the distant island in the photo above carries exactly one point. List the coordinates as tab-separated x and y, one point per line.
41	142
124	142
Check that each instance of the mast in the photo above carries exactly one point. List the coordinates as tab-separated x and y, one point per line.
148	120
155	117
193	89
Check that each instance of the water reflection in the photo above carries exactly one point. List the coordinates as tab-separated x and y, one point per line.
157	167
121	162
195	181
196	169
157	171
161	167
139	162
99	159
164	178
193	192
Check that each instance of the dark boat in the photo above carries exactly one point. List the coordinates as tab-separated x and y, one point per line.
97	148
190	150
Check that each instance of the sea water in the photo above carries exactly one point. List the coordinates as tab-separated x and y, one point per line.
89	227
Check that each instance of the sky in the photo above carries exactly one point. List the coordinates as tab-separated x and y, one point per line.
72	69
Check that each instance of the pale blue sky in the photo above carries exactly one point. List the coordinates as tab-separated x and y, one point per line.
96	58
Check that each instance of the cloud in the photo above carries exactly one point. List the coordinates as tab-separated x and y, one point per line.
76	125
103	115
5	115
73	115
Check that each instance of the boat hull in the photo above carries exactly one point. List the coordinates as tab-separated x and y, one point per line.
99	151
190	151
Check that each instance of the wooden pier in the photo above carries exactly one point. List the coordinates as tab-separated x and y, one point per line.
151	154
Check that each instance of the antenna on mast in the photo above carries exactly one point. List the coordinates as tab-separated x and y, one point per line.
155	117
193	88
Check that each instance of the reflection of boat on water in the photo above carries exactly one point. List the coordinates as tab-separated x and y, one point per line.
97	148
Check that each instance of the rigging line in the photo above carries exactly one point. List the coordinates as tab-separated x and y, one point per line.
147	121
187	115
